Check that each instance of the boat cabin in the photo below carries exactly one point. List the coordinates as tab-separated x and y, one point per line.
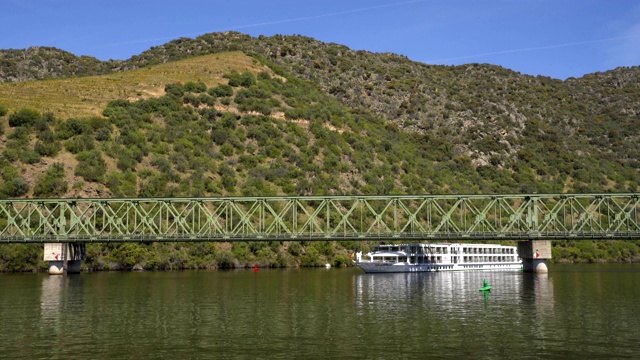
443	253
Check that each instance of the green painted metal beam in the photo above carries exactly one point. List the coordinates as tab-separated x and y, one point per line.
403	217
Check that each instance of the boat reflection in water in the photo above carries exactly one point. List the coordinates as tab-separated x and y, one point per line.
445	314
451	295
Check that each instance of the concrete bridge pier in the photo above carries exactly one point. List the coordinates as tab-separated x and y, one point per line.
60	254
535	255
56	267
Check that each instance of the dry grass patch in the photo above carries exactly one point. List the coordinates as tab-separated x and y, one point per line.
88	96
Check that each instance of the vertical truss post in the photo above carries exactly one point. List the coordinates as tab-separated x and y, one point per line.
532	213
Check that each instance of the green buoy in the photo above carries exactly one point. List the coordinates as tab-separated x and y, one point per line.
485	286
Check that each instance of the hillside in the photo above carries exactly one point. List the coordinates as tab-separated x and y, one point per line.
227	114
486	113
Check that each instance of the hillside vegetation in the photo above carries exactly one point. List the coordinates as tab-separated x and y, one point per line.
290	115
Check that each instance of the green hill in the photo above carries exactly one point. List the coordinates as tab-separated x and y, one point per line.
227	114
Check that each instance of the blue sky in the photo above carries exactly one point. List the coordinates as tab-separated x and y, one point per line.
557	38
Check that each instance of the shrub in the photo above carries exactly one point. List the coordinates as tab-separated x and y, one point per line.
72	127
220	136
24	117
14	188
103	134
228	177
121	184
3	110
91	166
195	87
247	79
20	135
226	149
128	255
79	143
133	138
126	161
29	156
52	182
234	78
20	257
99	123
207	99
174	90
222	90
155	186
192	99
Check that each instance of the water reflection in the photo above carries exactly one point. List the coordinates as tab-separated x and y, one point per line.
51	298
569	313
61	297
445	290
543	291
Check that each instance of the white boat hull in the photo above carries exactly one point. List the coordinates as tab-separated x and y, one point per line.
391	267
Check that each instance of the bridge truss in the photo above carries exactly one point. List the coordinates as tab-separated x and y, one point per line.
406	217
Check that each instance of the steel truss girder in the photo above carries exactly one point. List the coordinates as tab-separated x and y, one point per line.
411	217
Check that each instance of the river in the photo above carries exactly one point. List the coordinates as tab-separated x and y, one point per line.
576	311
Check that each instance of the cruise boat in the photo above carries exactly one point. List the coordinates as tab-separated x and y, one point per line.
392	258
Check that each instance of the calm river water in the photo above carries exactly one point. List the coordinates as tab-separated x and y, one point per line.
576	311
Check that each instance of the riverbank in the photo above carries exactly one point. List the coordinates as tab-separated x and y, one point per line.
288	254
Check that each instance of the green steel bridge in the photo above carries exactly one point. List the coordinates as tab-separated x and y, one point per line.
402	217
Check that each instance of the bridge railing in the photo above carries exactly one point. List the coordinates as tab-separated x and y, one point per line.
406	217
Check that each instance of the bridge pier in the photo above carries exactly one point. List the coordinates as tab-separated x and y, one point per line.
535	255
57	254
73	266
56	267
